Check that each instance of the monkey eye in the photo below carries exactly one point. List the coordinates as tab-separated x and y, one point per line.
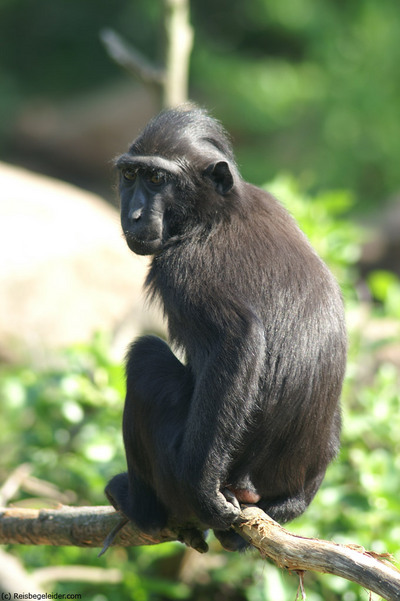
156	178
129	174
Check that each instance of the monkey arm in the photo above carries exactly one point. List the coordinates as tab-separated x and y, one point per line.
222	406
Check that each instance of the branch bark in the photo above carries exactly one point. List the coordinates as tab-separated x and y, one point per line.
171	82
89	526
297	554
76	526
178	46
131	59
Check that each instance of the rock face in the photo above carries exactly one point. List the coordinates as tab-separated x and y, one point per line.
65	270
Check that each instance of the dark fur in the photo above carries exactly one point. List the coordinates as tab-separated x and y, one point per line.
259	318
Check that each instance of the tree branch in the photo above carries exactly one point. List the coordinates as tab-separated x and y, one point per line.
89	526
297	554
170	82
131	59
178	46
76	526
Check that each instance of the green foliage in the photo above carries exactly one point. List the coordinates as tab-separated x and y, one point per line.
385	287
306	86
311	87
62	39
65	421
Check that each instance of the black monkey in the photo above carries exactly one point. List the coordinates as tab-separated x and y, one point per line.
252	414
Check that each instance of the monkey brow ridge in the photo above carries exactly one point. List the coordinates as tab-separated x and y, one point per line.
149	162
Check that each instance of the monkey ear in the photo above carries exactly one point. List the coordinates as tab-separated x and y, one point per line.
221	176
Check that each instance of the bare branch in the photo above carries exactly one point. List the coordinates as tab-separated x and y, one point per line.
14	482
77	526
171	83
297	553
131	59
89	527
49	575
179	42
13	577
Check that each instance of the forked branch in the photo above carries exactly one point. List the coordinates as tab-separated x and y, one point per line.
90	526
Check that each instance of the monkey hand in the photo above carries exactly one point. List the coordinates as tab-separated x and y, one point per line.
219	510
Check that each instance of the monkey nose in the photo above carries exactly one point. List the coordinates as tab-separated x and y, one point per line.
136	214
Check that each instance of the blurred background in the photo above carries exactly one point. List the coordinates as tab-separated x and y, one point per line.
310	93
